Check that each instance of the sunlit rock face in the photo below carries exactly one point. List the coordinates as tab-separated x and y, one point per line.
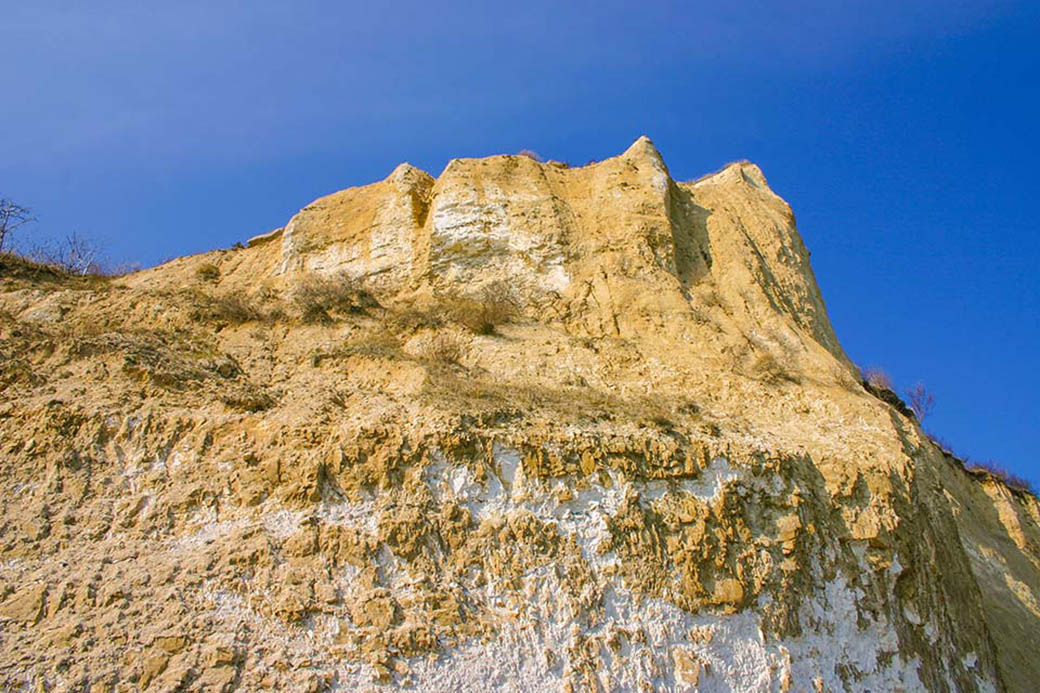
294	465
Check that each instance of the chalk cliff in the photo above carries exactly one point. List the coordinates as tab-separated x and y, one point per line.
302	464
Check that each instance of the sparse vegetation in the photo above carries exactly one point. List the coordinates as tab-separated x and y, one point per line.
411	320
73	255
984	470
494	306
877	378
12	216
444	347
380	345
946	448
207	272
530	154
233	308
922	402
237	308
316	298
995	470
766	366
877	383
479	395
169	359
248	398
339	398
14	265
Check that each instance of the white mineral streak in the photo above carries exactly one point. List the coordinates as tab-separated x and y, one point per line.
363	515
290	255
729	651
473	230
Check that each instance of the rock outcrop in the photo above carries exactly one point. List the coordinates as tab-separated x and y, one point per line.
296	464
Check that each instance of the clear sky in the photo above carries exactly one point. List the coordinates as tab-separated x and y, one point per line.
904	133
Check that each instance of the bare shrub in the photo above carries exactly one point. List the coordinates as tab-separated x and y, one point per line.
1010	480
12	215
444	347
207	272
922	402
495	305
316	297
275	313
843	376
877	378
236	308
378	345
877	383
15	265
530	154
172	360
248	398
73	254
339	398
769	368
229	308
943	445
412	320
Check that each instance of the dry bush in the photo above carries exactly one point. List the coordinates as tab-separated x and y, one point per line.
339	398
877	383
12	216
207	272
844	377
36	269
236	308
378	345
1010	480
769	368
411	320
22	267
71	256
317	297
172	360
275	314
709	298
247	398
383	345
922	402
944	446
444	347
877	378
495	305
230	308
481	395
530	154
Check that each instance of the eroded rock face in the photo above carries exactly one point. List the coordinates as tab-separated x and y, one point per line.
661	474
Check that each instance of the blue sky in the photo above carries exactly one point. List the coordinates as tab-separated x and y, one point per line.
904	134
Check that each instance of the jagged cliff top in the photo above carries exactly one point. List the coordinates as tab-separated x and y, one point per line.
397	438
698	279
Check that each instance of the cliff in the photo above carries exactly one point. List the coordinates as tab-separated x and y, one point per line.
522	426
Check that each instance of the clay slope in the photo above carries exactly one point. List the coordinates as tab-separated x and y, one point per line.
304	464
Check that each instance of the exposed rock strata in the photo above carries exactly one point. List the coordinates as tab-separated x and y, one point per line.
663	475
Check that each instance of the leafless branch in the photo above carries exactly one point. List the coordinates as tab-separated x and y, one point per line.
922	402
12	215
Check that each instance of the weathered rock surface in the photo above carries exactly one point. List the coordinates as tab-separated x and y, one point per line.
662	473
